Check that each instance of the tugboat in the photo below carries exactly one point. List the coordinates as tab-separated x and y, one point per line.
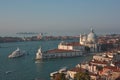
16	53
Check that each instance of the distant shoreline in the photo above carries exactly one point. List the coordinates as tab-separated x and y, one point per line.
35	38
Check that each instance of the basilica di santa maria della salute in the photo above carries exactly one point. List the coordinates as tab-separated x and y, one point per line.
87	43
90	41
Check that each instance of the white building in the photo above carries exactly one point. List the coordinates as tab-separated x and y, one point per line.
90	41
71	46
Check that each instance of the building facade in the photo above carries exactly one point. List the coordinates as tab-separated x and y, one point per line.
90	41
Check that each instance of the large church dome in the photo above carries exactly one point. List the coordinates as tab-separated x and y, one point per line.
91	37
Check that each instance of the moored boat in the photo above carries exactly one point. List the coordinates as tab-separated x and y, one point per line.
53	73
62	70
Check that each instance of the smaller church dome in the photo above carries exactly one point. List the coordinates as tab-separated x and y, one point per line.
91	37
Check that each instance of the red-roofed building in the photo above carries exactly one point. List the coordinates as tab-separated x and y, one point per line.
110	72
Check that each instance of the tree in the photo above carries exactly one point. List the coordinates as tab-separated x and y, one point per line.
87	49
82	76
60	76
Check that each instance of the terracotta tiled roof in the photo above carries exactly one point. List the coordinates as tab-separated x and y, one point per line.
59	51
76	69
98	62
73	44
115	69
92	74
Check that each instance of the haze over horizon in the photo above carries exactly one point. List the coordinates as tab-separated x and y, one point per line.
63	17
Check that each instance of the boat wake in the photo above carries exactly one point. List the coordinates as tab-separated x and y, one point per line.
38	61
8	72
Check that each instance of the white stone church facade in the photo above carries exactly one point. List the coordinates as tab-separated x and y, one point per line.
89	41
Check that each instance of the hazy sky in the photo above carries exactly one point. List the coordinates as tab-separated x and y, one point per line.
63	17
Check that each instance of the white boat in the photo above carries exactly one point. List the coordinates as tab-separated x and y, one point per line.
53	73
62	70
16	53
7	72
